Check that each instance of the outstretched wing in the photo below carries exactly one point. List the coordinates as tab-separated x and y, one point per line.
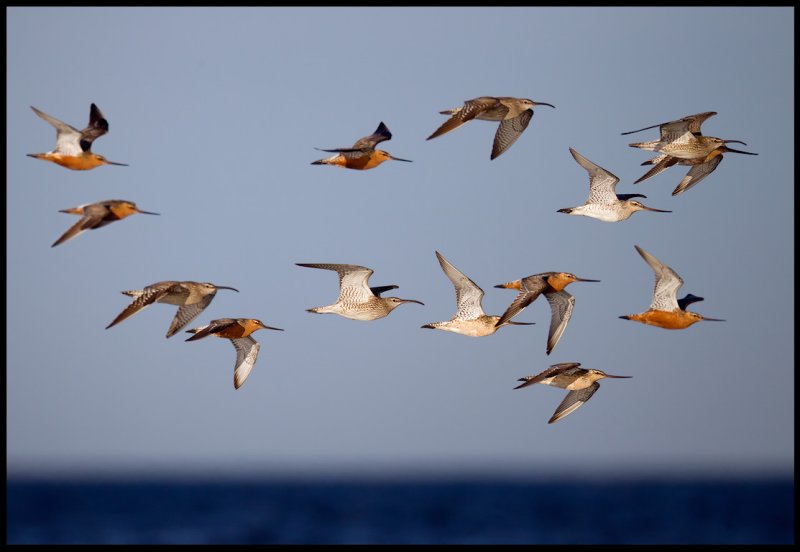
573	401
148	296
567	368
215	326
352	280
561	305
93	217
381	134
668	282
96	128
696	174
67	136
470	110
602	184
661	163
681	129
468	294
187	313
530	289
246	353
508	132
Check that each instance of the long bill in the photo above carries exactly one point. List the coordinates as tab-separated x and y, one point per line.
226	287
544	103
646	208
738	151
711	319
399	159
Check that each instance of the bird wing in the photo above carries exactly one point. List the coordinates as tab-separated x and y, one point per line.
561	305
470	110
509	130
468	294
352	280
96	128
685	128
92	218
661	163
148	296
573	401
567	368
696	174
349	153
381	134
530	288
67	136
188	312
673	130
246	353
215	326
602	184
376	291
665	293
688	300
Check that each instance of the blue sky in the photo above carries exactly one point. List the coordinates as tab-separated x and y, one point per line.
218	112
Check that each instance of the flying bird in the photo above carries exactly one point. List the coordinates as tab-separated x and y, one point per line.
580	382
238	330
357	300
191	298
96	215
469	319
74	147
665	309
683	138
514	115
551	285
701	167
362	155
604	203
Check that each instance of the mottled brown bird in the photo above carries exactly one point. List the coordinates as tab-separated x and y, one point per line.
683	138
514	115
580	382
191	297
701	167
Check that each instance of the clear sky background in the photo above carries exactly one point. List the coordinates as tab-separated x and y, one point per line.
218	111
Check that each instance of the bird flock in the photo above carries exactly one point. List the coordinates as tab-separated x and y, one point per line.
680	142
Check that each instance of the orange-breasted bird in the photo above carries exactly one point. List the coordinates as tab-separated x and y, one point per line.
238	330
665	309
74	147
362	155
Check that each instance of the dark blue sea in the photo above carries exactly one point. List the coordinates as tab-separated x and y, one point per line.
685	512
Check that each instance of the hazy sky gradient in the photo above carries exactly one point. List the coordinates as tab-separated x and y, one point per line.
218	111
